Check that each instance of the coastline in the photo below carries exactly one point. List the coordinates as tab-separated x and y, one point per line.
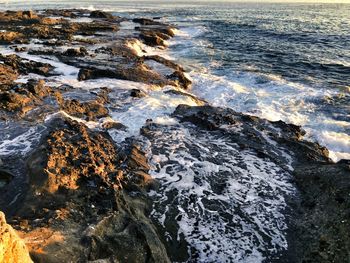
81	189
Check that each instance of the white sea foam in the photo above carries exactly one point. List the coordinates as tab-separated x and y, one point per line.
228	203
156	106
275	100
22	143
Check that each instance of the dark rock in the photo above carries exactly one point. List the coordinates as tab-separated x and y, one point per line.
72	52
101	14
114	125
25	66
136	93
181	79
146	21
152	39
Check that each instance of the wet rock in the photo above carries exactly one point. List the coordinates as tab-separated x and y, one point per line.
25	66
152	39
181	79
165	62
12	248
5	177
78	207
7	76
113	125
101	14
90	111
23	97
73	52
21	49
139	73
136	93
19	17
198	101
319	231
146	21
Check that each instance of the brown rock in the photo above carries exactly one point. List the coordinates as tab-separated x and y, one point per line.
12	248
7	75
91	110
11	37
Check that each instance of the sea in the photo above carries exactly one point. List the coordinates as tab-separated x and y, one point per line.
287	62
281	61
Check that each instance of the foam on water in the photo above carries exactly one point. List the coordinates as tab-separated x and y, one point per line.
20	143
228	203
276	99
156	106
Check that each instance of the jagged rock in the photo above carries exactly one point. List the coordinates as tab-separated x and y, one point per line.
12	248
23	97
21	17
79	185
91	110
25	66
181	79
152	39
165	62
7	38
139	73
114	125
198	101
7	75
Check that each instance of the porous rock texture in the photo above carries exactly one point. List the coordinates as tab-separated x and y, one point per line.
12	248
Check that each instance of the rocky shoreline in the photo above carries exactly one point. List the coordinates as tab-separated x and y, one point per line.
79	193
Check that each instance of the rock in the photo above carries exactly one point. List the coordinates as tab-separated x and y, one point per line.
19	17
165	62
7	38
320	228
136	93
7	75
90	111
12	248
23	97
72	52
101	14
78	205
181	79
152	39
114	125
139	73
146	21
25	66
198	101
21	49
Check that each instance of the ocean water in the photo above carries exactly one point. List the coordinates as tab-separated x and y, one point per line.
287	62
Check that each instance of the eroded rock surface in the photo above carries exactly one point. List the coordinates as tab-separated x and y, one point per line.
12	248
